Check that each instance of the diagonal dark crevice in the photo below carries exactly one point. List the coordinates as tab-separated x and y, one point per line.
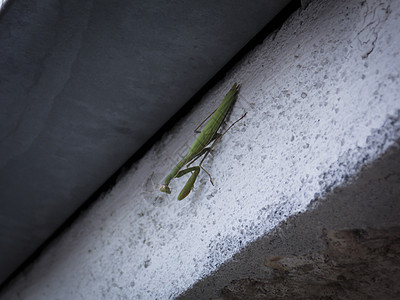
346	246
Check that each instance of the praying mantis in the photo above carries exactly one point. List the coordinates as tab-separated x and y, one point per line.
199	147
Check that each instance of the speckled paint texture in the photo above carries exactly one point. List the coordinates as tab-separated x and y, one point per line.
322	100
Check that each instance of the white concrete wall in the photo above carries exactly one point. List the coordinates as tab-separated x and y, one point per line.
322	96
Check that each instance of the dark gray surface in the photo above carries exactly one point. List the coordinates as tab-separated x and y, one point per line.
83	84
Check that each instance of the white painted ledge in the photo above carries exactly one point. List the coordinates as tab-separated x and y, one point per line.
322	96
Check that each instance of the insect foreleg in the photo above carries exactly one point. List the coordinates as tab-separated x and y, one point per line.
190	183
188	170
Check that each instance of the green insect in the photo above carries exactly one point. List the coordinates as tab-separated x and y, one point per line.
199	147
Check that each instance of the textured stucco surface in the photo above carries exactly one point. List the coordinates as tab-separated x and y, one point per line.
322	100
